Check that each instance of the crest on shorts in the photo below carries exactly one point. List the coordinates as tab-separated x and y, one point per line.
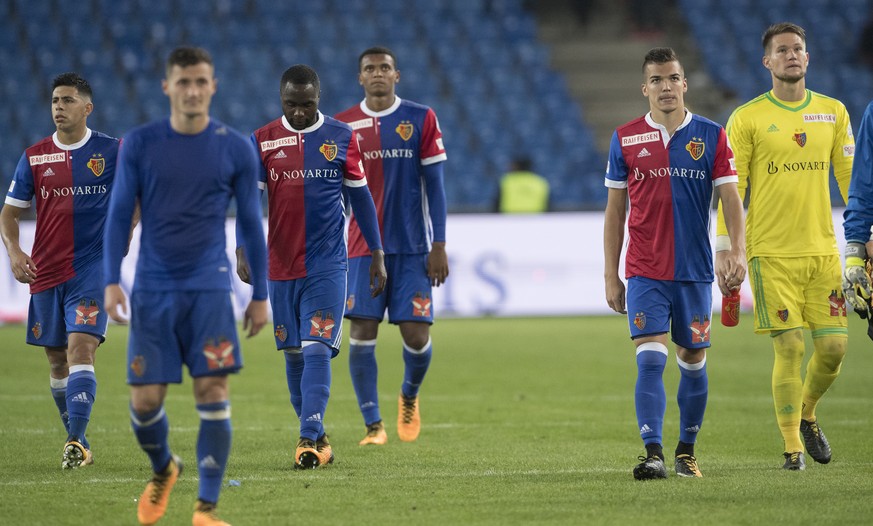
322	324
699	329
218	353
800	138
640	320
783	314
695	147
420	305
86	312
138	366
328	149
281	333
36	330
350	302
404	130
837	303
97	163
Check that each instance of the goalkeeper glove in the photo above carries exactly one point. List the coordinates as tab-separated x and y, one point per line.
856	283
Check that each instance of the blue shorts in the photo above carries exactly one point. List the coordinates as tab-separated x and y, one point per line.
652	304
169	328
407	295
75	305
309	309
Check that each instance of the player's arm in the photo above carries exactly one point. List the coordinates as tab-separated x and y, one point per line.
20	262
119	221
242	264
858	218
843	152
355	183
732	270
741	145
437	260
613	241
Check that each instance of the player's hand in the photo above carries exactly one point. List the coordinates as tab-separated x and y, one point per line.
730	269
437	264
22	266
242	266
113	301
615	294
856	282
255	317
378	274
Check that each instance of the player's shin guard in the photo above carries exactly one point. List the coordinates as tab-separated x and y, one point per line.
365	374
213	448
691	396
650	397
293	375
151	430
59	395
315	385
787	386
417	362
822	369
81	391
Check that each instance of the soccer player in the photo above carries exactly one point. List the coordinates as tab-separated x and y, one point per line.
184	171
667	163
403	152
69	175
307	160
858	218
785	142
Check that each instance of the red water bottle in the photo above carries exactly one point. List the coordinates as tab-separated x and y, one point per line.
730	309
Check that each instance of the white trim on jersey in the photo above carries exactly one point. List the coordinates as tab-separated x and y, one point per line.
435	159
75	146
17	202
391	109
318	122
665	137
612	183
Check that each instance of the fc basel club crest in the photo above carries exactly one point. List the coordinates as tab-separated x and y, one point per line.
219	354
404	130
97	163
36	330
837	304
699	329
350	302
281	333
86	312
783	314
138	366
420	305
695	147
640	320
322	324
800	138
328	149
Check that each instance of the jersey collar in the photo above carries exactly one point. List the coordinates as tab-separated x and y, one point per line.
75	146
318	122
391	109
664	135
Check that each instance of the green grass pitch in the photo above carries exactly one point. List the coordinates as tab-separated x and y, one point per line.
525	421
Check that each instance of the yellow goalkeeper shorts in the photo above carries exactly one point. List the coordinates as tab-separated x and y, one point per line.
797	292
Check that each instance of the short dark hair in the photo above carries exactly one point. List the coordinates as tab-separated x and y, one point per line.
377	50
660	55
780	28
187	56
74	80
300	74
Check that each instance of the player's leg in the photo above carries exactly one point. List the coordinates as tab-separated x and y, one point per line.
648	305
692	315
778	284
81	393
417	352
365	313
58	379
826	313
151	429
284	297
213	443
294	376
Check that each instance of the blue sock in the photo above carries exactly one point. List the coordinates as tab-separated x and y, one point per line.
365	374
315	385
81	391
213	448
59	394
650	398
691	395
417	362
151	431
293	375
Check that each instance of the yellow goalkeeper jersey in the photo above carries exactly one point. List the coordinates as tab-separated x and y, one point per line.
783	153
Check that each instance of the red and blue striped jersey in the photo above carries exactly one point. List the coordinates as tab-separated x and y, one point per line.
303	172
71	185
670	181
395	144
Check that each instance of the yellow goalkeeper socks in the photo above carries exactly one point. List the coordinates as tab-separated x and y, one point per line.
823	368
787	385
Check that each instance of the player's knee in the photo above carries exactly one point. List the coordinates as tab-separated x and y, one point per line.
789	344
831	348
